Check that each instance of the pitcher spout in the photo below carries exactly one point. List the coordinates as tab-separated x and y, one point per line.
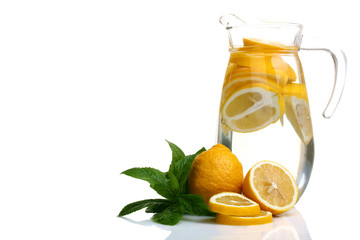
230	21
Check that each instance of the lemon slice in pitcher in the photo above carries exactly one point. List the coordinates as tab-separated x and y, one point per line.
264	61
276	78
252	107
276	48
268	45
298	111
240	80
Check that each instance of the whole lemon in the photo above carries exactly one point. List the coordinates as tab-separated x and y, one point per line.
214	171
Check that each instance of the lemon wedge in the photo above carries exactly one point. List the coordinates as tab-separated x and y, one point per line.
298	111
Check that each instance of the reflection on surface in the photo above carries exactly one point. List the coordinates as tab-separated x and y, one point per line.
282	232
289	226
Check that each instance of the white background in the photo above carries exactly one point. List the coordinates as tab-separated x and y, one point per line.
89	89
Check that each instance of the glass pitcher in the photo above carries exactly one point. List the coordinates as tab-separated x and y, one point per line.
264	109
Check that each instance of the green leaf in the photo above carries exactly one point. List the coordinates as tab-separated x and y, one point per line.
183	169
169	216
149	203
157	179
200	151
159	207
194	204
173	184
180	165
177	155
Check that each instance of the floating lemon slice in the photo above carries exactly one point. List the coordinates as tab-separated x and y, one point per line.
230	203
242	76
268	45
264	61
271	186
263	54
262	218
277	75
298	111
250	59
239	81
252	107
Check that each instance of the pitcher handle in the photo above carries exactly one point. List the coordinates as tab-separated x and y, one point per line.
340	65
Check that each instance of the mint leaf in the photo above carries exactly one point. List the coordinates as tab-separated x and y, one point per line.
159	207
149	203
172	184
169	216
177	155
182	169
194	204
181	165
157	179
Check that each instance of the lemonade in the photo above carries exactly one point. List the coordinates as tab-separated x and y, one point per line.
264	109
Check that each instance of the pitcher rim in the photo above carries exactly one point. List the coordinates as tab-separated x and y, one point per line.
268	25
242	23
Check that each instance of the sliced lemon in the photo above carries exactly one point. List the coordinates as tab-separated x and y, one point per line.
262	218
298	111
276	78
230	203
267	45
270	51
249	59
264	61
271	186
274	74
239	81
252	107
280	64
230	68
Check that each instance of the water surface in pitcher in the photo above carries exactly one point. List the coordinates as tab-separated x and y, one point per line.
264	109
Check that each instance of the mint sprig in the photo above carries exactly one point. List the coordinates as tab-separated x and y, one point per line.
172	185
